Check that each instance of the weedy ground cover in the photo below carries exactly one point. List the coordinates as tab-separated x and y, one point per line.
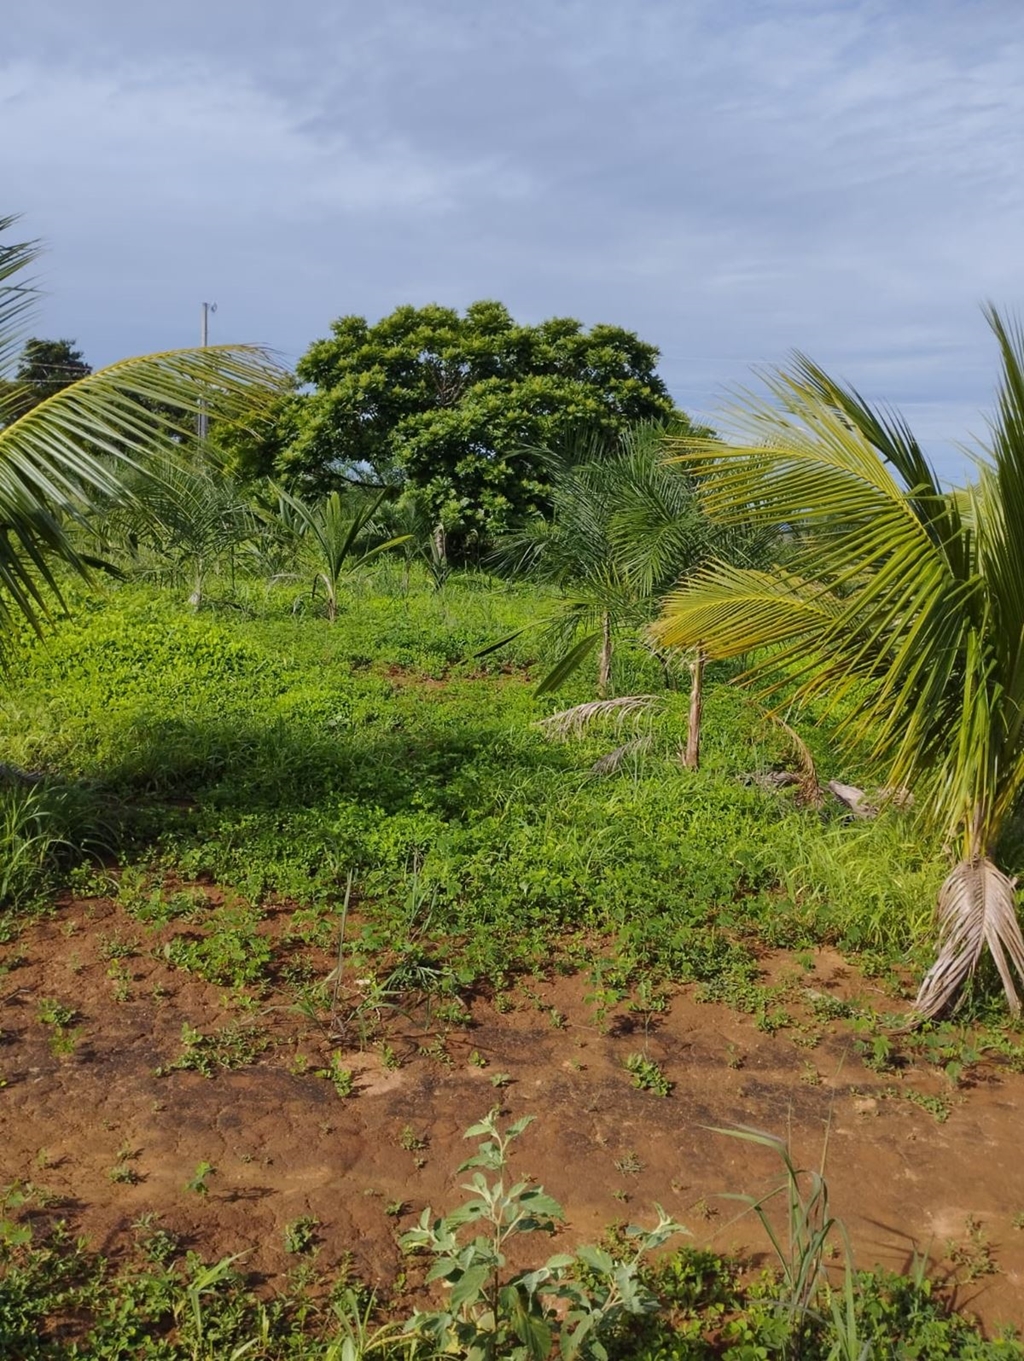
276	753
620	1299
280	846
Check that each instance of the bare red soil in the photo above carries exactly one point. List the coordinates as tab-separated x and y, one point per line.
285	1145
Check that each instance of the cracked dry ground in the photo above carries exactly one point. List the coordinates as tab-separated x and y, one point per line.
285	1145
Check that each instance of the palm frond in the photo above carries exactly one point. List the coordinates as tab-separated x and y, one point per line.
72	450
810	786
735	610
625	525
16	300
569	663
613	760
69	452
976	908
184	509
127	410
900	609
575	721
880	595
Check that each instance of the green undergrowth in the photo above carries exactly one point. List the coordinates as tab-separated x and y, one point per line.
628	1298
59	1300
269	751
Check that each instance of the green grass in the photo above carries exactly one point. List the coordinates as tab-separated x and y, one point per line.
273	753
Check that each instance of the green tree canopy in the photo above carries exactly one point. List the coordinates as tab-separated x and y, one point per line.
459	405
44	368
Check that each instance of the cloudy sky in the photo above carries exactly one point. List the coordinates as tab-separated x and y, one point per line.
730	178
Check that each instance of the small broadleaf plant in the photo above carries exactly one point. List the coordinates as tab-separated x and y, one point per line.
490	1312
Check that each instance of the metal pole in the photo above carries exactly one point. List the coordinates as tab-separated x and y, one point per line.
202	423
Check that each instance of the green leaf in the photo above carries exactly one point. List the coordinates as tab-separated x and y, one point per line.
469	1287
559	1261
531	1329
568	664
495	647
443	1268
572	1340
484	1126
518	1126
596	1258
538	1202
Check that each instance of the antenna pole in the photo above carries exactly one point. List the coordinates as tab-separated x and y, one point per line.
202	423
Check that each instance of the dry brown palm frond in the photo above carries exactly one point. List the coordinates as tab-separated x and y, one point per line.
770	779
853	798
608	765
572	722
977	907
810	789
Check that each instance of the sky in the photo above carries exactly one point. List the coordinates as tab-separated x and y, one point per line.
732	179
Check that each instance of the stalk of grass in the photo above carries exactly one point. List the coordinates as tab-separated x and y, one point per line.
28	840
336	974
808	1224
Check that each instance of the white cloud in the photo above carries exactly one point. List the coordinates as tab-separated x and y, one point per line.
732	178
193	139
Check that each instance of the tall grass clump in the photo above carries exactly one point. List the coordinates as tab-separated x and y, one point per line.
861	884
44	829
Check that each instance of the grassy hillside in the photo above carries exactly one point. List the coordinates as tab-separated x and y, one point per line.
275	753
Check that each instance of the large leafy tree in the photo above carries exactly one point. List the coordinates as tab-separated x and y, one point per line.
44	367
67	455
459	406
900	610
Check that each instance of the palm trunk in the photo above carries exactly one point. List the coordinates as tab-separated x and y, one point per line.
691	757
604	674
196	598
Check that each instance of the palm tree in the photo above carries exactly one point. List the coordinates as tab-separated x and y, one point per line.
336	535
623	526
900	610
190	512
68	454
409	519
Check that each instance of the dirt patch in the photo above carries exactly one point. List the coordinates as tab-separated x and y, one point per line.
86	1095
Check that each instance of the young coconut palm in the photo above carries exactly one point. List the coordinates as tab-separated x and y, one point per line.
623	527
66	455
187	514
900	608
336	534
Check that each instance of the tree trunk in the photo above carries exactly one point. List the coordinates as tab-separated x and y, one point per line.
196	598
604	675
691	757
